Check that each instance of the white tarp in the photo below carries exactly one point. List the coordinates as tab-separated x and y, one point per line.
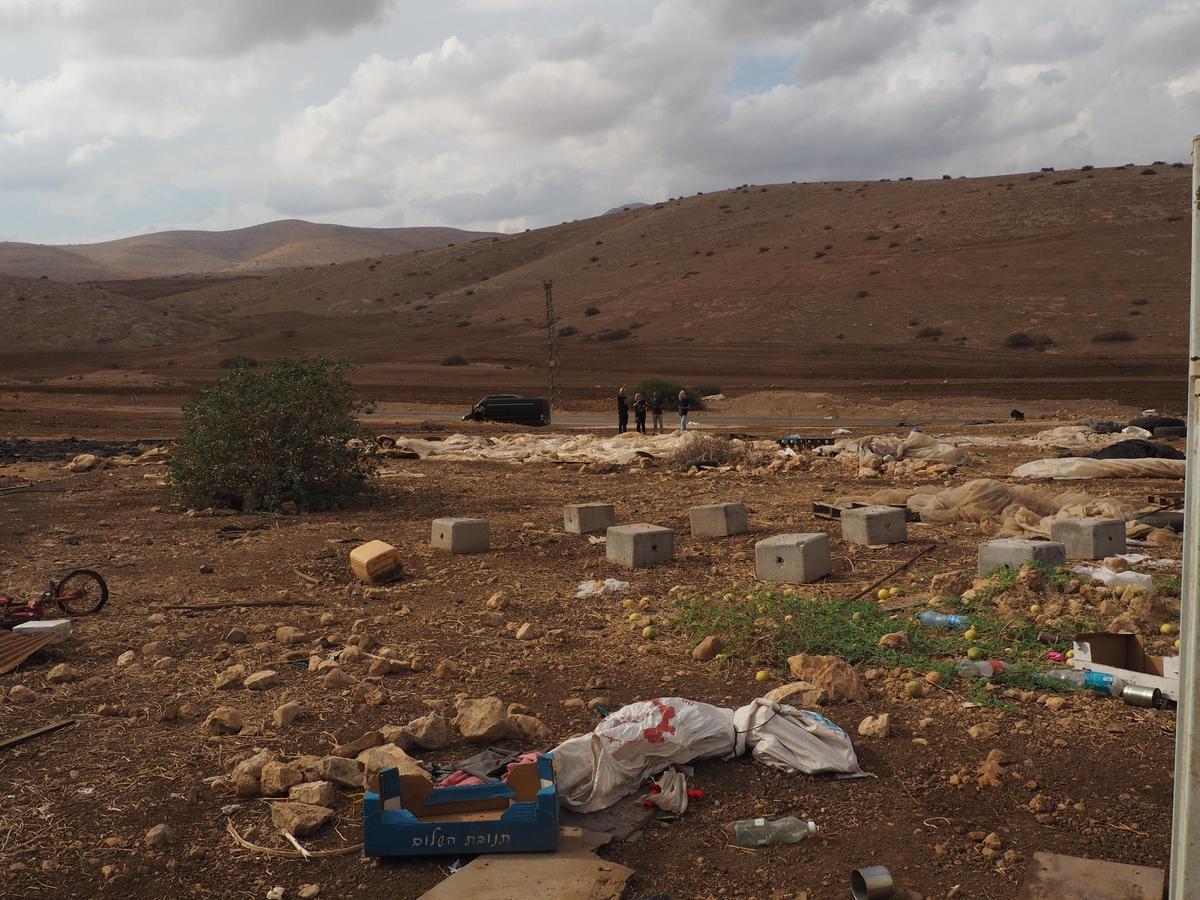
1081	436
885	448
1079	467
620	449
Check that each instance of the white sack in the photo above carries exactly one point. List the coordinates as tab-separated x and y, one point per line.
1101	468
794	740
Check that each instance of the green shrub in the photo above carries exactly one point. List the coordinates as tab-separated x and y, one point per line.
233	362
592	311
1019	340
1119	336
613	334
257	439
567	330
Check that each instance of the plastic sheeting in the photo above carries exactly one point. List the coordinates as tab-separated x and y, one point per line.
884	448
1082	436
1076	467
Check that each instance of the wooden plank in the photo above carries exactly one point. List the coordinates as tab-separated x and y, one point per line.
16	648
1051	876
37	732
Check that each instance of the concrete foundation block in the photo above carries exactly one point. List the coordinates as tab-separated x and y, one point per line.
1016	552
796	558
873	525
641	545
1089	538
461	535
584	518
718	519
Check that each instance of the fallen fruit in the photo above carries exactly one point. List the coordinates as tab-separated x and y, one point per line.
1177	644
1168	628
933	677
1035	609
974	653
762	675
892	592
649	632
914	688
856	617
627	603
633	616
970	634
643	603
789	619
883	594
1070	654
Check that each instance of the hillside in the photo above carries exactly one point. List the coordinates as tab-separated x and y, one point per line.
268	247
1060	284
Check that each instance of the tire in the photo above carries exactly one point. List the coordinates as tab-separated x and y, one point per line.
81	592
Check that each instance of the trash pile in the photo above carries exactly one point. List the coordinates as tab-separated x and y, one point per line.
917	453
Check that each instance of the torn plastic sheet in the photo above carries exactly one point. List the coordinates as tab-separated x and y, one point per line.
599	588
1115	579
1079	467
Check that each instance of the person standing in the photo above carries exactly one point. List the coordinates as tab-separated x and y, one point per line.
656	407
622	411
639	412
685	406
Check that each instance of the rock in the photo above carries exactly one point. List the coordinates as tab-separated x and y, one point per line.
344	772
223	720
430	732
896	640
951	584
236	635
247	775
316	793
379	668
491	619
879	726
528	730
528	632
308	891
261	681
60	674
289	634
287	713
390	756
155	649
127	658
983	730
299	819
993	840
482	720
708	648
1040	803
991	771
596	704
447	668
159	837
350	749
498	600
836	680
796	693
338	680
1055	702
309	766
278	777
206	569
164	664
230	678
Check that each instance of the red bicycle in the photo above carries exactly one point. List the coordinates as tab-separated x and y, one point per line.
80	592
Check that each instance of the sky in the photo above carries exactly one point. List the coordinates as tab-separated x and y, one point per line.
122	117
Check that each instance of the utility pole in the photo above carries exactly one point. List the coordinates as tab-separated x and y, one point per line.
552	345
1185	829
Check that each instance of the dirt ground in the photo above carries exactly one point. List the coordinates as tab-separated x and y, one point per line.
1092	779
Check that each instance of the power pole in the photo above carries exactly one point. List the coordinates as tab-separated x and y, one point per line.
552	344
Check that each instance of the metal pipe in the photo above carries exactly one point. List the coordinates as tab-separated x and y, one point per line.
1185	823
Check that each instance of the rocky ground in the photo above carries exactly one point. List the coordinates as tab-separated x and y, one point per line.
188	718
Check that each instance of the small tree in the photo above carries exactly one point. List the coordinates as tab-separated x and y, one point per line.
258	439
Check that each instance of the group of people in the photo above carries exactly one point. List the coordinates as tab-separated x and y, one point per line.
654	407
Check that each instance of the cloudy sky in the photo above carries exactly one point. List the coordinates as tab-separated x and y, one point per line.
125	116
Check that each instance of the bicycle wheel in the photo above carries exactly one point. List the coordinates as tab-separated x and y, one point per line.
81	592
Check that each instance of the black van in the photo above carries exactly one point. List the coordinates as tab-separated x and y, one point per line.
511	408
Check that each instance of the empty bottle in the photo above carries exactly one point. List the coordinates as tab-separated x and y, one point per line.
943	620
761	832
980	668
1081	679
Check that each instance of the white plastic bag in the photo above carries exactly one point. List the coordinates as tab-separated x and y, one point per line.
599	588
1116	579
794	740
642	739
672	792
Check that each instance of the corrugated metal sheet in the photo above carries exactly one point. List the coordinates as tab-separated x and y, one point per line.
16	648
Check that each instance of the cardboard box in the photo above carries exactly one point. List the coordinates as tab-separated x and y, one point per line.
410	817
1125	656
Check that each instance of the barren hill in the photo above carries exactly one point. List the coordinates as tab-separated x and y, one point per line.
268	247
1042	285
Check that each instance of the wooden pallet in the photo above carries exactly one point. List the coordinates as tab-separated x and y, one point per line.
1167	499
829	511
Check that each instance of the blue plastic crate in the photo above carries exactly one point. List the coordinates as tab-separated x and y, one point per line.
409	817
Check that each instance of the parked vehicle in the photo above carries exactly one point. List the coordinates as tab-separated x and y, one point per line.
512	408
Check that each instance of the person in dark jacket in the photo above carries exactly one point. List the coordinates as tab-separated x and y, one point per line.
656	408
639	412
685	406
622	411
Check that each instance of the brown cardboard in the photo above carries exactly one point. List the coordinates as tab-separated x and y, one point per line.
375	562
1125	656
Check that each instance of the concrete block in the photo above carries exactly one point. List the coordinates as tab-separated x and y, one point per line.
461	535
1089	538
375	562
641	545
873	525
1015	552
584	518
797	558
718	519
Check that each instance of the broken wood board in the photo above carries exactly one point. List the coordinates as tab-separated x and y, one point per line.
37	732
16	648
1051	876
573	872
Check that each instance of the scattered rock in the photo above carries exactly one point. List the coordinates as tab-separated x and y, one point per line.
430	732
246	775
951	584
277	778
352	748
796	693
991	770
529	730
287	713
1055	702
447	668
708	648
223	720
482	720
236	635
835	679
206	569
308	891
338	680
879	726
993	840
261	681
230	678
60	674
299	819
896	640
528	632
491	619
344	772
388	756
159	837
155	649
126	659
498	600
316	793
289	634
983	730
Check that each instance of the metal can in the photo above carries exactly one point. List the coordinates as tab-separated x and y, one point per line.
1140	695
871	883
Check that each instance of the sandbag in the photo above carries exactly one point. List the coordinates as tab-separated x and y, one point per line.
798	741
642	739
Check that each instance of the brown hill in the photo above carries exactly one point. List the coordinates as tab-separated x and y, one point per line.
1044	285
268	247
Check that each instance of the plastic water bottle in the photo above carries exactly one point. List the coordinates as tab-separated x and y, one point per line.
761	832
943	620
1083	679
980	668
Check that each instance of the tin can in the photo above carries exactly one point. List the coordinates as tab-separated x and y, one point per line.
871	883
1140	695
